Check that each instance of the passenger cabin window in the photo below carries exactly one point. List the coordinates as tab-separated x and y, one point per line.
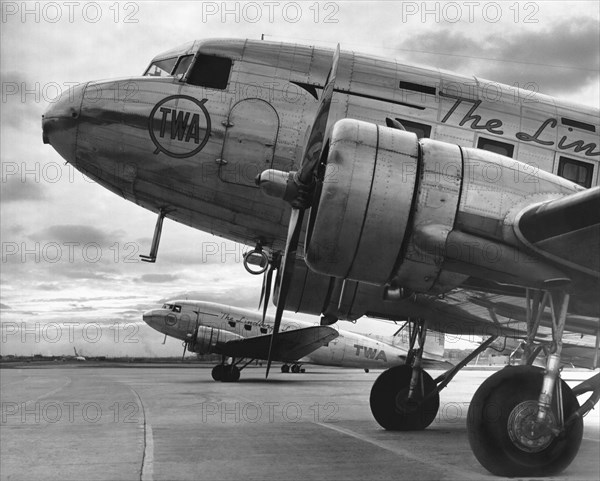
576	171
423	131
231	323
496	146
161	68
210	71
263	330
248	327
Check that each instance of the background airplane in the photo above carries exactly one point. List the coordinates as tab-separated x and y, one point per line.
209	328
421	196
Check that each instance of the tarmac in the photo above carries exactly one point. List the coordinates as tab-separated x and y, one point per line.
148	422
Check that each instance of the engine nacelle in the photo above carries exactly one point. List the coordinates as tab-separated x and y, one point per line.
208	339
423	214
383	190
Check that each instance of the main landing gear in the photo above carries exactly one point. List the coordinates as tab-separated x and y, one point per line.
504	429
526	421
229	372
522	421
295	368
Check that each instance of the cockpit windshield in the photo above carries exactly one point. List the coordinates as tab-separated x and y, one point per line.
169	67
210	71
161	68
172	307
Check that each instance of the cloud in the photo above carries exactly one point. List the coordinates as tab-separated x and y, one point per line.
559	59
234	296
48	286
78	233
14	190
157	278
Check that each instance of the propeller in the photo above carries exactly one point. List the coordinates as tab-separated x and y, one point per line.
194	336
300	193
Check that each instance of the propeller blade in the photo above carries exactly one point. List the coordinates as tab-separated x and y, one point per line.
262	290
314	146
268	281
287	271
165	339
394	124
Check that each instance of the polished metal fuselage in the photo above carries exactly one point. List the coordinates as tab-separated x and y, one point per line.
194	152
260	121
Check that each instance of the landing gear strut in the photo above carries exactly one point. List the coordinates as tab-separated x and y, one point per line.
405	398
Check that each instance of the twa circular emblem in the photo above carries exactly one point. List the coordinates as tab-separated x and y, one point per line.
179	126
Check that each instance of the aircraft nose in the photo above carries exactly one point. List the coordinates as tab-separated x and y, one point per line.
148	318
60	121
154	319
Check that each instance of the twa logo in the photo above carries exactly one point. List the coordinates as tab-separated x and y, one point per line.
179	126
370	353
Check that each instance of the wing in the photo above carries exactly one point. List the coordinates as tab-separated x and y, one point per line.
565	231
552	229
288	346
464	314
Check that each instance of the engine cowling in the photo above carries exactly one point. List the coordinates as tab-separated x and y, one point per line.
208	339
382	190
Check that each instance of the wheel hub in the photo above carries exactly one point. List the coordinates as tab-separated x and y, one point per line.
526	432
405	404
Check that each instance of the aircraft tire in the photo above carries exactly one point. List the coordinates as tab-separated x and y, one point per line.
231	374
285	368
217	372
389	401
295	369
498	419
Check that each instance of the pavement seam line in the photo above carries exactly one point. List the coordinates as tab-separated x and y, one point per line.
147	467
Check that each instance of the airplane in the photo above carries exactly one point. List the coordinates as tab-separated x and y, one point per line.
243	336
370	187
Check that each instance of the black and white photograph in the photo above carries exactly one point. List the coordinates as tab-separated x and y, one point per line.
266	240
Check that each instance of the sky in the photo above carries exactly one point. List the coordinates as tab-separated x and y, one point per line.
70	273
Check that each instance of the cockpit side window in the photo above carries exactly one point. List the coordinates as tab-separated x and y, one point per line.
210	71
182	65
176	308
161	68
